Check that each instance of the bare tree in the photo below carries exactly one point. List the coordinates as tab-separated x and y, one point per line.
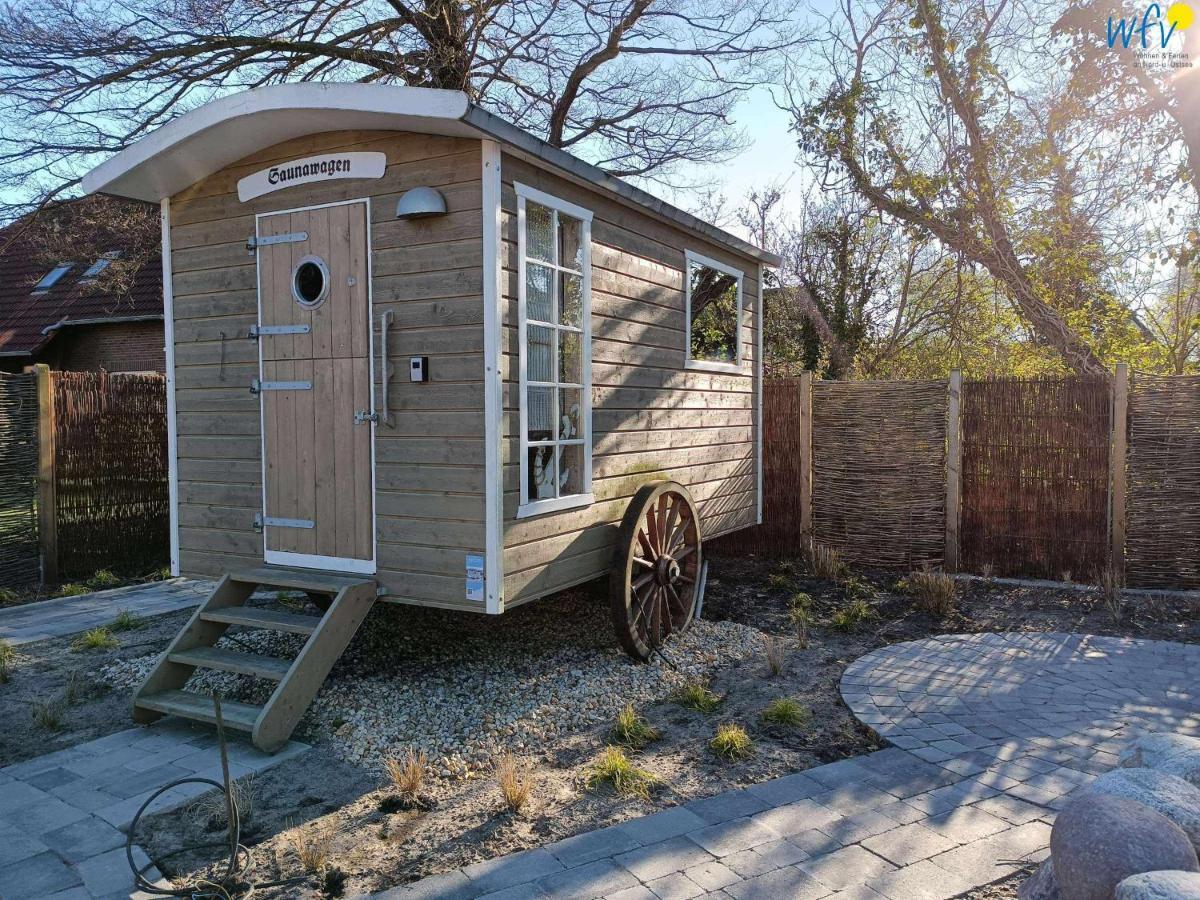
634	85
918	114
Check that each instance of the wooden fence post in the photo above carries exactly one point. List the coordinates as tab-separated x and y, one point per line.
953	470
47	505
806	433
1116	467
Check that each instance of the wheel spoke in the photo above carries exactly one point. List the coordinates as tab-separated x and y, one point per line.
655	618
647	547
669	528
673	594
652	534
642	580
684	553
643	562
662	523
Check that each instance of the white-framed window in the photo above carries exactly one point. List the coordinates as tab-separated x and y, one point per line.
554	241
713	304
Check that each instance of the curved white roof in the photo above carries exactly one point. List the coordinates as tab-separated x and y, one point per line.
217	134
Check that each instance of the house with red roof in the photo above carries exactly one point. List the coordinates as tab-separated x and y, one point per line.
81	288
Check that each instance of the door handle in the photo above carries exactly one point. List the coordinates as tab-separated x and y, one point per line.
363	415
385	321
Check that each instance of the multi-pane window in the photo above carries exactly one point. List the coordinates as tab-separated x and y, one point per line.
714	314
555	347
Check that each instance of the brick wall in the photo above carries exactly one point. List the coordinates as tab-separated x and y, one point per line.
120	347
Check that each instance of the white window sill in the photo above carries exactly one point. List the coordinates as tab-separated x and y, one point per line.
705	366
539	507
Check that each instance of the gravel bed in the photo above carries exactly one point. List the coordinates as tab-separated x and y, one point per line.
462	687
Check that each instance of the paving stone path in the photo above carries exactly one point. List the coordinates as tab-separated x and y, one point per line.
64	816
991	734
61	616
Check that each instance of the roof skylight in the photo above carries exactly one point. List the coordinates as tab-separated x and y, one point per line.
52	278
99	265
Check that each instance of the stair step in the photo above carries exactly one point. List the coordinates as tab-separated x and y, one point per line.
198	707
271	667
292	579
270	619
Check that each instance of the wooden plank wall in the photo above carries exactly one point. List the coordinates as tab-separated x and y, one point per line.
430	460
651	418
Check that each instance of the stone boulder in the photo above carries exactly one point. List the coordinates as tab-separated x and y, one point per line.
1175	754
1160	886
1168	794
1100	839
1041	885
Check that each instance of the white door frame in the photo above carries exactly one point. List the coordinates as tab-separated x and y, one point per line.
310	560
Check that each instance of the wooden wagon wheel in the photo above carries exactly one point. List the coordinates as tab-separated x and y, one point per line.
656	568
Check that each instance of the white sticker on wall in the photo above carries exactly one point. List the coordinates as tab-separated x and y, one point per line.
325	167
474	578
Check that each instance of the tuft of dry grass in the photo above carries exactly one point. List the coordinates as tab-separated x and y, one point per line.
515	779
932	591
787	713
731	742
312	845
800	615
774	655
48	714
96	639
1112	584
408	772
633	730
8	660
826	562
209	811
127	621
987	570
614	768
696	695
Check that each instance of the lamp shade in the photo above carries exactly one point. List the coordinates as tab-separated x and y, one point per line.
420	202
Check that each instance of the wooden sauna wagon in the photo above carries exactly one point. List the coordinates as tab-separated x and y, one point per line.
417	355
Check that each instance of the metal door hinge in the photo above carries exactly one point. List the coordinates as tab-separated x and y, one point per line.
258	523
363	415
261	521
257	387
257	331
253	242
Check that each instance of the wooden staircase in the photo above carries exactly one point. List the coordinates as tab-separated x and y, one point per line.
296	680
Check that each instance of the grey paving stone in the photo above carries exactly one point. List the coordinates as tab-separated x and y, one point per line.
109	872
727	806
965	824
1010	809
447	886
595	879
516	868
713	875
37	876
675	886
637	892
907	844
846	867
853	798
920	881
730	837
48	815
787	789
16	845
782	884
793	818
656	860
19	795
592	845
816	842
50	779
662	825
83	839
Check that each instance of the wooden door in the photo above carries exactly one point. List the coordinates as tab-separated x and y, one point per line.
315	388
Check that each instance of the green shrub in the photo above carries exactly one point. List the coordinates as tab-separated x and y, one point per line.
127	621
853	616
787	713
96	639
800	615
633	730
8	658
73	589
615	769
731	742
48	714
697	696
103	579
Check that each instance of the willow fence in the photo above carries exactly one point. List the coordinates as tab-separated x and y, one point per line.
84	460
1046	477
19	549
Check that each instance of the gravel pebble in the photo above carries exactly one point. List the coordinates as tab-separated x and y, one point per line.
461	688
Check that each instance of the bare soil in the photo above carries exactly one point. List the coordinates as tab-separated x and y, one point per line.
377	840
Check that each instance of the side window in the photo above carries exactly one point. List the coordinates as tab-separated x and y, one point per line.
554	249
714	314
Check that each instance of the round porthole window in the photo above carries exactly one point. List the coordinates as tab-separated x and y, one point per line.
310	282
